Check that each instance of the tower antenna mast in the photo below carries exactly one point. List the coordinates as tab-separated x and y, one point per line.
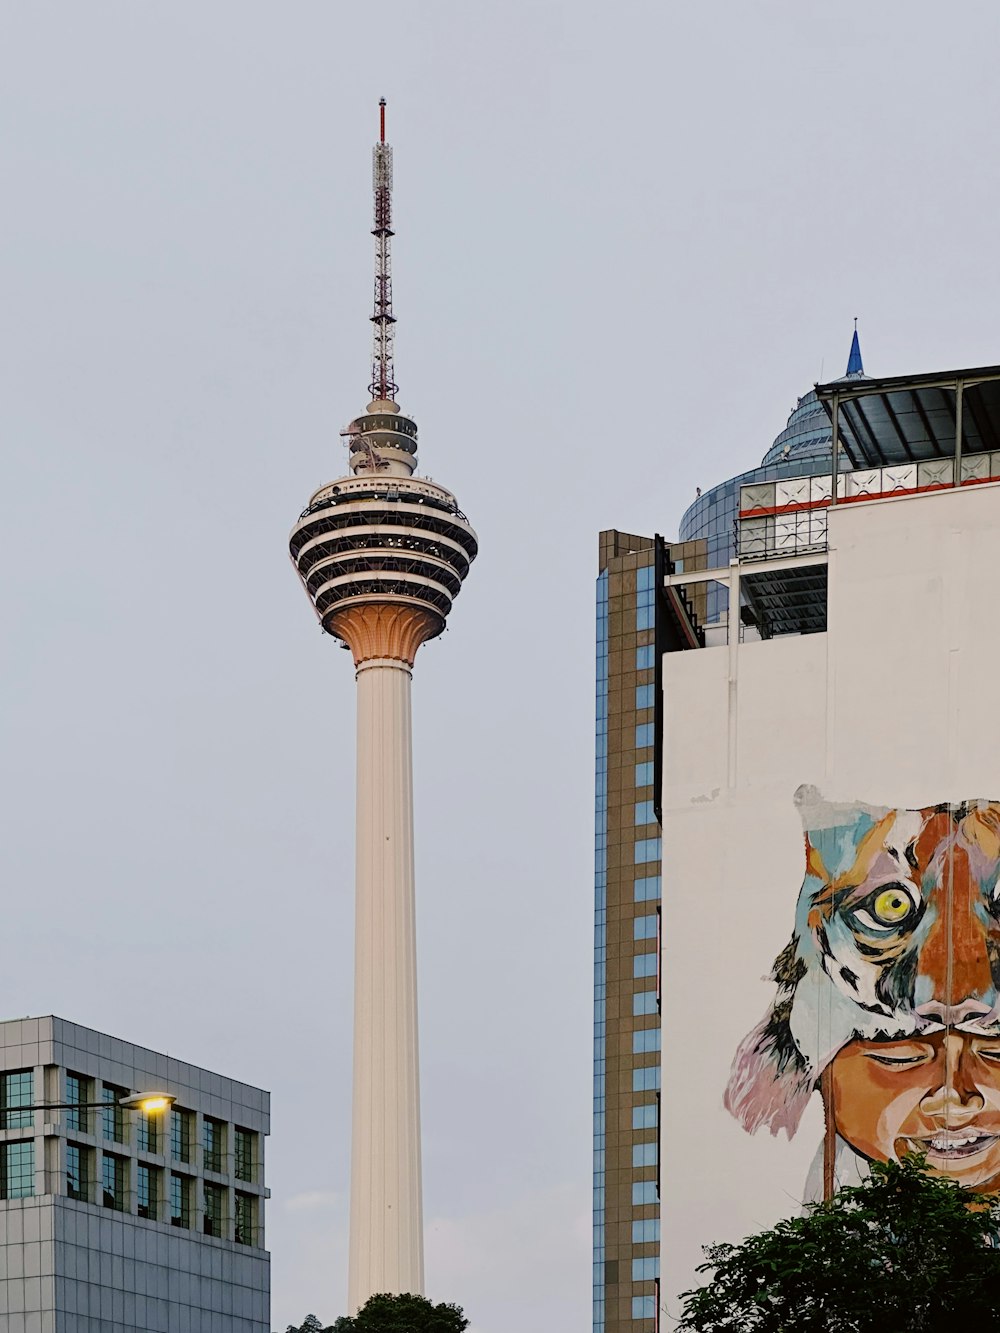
383	385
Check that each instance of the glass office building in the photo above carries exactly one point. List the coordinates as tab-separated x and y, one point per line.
639	618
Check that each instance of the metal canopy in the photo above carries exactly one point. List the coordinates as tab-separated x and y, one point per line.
910	418
788	601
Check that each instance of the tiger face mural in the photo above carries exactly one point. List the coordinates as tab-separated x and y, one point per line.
892	978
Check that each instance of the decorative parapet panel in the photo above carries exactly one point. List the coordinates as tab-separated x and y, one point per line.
783	518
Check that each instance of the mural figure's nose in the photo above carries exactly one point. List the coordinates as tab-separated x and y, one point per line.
957	1097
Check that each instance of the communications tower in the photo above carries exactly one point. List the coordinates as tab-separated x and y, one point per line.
382	555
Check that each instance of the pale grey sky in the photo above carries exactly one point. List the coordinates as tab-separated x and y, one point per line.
628	237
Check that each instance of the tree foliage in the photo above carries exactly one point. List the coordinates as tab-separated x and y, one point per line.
392	1314
905	1252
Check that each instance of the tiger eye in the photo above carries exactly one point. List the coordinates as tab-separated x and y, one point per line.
892	906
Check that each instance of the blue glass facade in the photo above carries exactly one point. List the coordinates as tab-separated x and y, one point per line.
600	942
803	448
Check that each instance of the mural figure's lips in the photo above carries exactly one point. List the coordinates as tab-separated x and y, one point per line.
952	1145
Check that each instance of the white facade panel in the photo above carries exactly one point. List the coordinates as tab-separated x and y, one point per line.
886	715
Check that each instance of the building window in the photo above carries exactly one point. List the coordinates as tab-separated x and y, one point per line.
645	927
644	1002
647	889
78	1172
147	1132
17	1089
644	657
214	1144
180	1201
643	735
644	965
644	812
647	849
645	610
243	1221
147	1191
646	1040
214	1209
646	1231
644	1154
644	773
646	1079
17	1170
77	1093
114	1171
643	1192
180	1135
644	696
113	1115
243	1153
645	1270
645	1116
643	1307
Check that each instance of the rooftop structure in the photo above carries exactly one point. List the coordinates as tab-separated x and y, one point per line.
382	554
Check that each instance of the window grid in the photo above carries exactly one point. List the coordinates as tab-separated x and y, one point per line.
647	889
114	1174
646	1078
77	1172
180	1200
180	1134
214	1209
646	850
112	1115
17	1169
17	1089
645	1116
243	1154
213	1143
243	1220
147	1190
147	1133
77	1092
644	812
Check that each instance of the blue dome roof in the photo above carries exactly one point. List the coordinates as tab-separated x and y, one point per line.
807	434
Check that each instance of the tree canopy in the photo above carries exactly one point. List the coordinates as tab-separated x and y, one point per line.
392	1314
905	1252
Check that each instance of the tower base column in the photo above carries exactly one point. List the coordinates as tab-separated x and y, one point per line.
386	1234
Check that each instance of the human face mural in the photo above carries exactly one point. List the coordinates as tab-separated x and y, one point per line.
896	939
939	1095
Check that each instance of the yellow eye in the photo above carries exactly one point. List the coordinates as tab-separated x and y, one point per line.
892	906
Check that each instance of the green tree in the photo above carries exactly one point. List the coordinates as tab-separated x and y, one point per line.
393	1314
904	1252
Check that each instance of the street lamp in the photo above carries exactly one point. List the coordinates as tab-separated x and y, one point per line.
152	1103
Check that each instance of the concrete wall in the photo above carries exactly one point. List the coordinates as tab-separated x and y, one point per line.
893	706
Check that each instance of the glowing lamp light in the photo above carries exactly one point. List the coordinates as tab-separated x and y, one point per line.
152	1103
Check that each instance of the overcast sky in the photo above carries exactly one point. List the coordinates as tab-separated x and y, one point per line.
629	236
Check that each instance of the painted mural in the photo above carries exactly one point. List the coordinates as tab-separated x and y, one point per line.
887	1001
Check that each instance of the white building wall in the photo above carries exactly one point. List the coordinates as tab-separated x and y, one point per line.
893	706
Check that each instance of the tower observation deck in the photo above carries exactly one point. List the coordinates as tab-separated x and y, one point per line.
382	554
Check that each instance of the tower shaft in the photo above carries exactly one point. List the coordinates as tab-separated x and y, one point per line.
382	554
386	1237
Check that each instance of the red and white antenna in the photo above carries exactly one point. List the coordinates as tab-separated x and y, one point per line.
383	385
